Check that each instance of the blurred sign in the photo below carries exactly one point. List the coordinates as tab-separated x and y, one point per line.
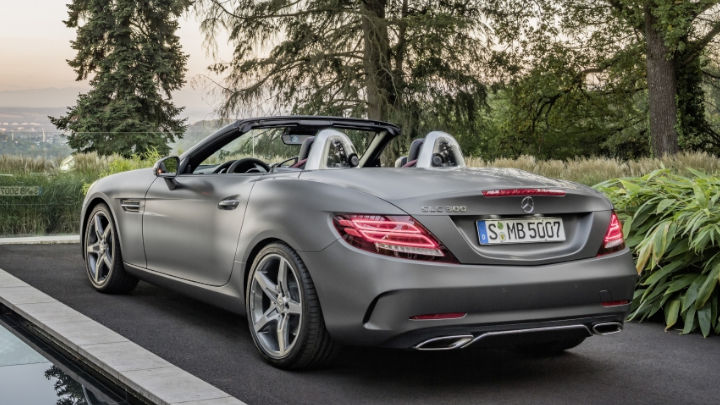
19	191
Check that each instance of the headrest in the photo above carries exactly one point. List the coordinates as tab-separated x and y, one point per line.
305	148
415	149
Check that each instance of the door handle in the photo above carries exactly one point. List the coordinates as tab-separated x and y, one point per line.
228	204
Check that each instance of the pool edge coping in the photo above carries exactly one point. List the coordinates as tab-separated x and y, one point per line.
40	240
151	378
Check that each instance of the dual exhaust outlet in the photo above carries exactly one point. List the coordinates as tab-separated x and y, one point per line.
462	341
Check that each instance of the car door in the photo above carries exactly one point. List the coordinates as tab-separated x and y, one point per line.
191	225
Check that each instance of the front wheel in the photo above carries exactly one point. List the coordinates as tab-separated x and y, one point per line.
283	311
103	259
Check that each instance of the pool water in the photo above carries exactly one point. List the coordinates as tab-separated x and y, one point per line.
34	373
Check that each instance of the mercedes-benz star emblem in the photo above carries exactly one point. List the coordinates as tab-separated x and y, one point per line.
528	205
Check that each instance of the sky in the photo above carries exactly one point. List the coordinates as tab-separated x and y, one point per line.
35	44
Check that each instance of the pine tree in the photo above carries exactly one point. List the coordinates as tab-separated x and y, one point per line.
130	52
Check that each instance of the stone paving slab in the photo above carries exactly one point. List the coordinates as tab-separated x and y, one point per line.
128	364
40	240
8	280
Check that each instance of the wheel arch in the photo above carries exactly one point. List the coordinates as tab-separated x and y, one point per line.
251	258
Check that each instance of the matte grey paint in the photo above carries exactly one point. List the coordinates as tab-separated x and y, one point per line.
186	233
179	237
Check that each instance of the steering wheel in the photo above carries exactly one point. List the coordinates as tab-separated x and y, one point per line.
248	165
222	167
292	159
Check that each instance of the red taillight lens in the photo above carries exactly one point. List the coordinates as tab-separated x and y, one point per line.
617	303
513	192
613	240
399	236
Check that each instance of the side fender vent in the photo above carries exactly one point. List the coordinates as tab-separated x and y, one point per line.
130	205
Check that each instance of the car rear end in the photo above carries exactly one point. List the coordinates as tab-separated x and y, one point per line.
500	262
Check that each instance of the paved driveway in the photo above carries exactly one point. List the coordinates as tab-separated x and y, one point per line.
641	365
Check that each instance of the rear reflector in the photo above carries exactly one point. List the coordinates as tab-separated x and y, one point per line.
399	236
512	192
613	240
449	315
615	303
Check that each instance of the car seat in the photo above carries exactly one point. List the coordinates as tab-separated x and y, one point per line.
304	152
414	152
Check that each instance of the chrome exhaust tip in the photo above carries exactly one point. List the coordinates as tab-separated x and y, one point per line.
607	328
444	343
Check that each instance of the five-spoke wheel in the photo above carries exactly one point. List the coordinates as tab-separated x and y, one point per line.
283	311
275	305
103	260
99	247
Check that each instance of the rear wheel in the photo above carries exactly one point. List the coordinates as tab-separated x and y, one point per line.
103	259
283	311
550	347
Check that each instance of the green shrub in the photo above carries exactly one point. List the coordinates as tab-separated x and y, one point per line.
55	208
672	222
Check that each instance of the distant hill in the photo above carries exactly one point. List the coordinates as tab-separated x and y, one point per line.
26	119
39	98
197	132
27	131
197	103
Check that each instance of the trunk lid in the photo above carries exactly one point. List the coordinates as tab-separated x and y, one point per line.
450	202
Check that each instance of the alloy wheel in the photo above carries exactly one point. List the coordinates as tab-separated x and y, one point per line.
100	248
275	305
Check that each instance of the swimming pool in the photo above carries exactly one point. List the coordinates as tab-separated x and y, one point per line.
33	372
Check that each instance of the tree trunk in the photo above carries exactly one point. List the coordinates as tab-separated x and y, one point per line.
662	89
376	60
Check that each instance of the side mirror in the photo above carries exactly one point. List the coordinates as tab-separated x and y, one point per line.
167	167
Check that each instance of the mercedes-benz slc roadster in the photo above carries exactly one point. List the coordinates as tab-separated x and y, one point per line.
308	227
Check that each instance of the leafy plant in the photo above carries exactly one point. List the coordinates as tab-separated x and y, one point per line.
672	222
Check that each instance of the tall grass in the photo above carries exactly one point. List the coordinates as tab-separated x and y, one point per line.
591	171
54	209
21	164
63	186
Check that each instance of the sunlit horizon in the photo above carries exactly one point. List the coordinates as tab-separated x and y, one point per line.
35	44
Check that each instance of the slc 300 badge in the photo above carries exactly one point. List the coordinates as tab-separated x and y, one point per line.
441	209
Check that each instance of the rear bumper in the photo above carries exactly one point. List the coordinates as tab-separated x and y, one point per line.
368	299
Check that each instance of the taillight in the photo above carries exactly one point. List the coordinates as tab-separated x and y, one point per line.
617	303
512	192
613	240
399	236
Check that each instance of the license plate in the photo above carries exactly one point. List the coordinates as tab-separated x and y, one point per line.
530	230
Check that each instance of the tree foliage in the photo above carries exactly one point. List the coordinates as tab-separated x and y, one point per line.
133	58
583	67
417	63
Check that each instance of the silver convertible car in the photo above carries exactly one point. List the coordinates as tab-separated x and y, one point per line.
308	227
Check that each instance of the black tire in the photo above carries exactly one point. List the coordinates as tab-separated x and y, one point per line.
111	279
552	347
313	347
